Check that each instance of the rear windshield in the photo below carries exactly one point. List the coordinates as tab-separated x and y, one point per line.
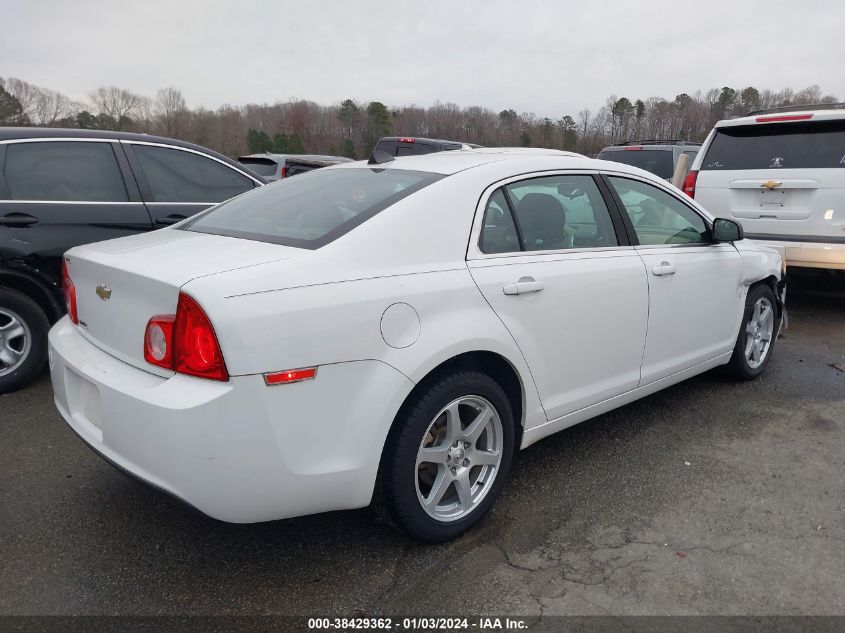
657	161
778	146
261	166
313	209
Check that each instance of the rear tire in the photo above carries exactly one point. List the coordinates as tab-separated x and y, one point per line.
23	339
446	457
758	332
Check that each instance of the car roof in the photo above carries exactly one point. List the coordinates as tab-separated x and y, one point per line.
454	161
277	157
648	144
422	138
18	133
793	116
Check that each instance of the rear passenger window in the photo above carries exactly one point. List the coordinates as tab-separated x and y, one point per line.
64	171
557	212
180	176
498	235
658	217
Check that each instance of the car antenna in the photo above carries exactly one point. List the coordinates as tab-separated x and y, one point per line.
378	157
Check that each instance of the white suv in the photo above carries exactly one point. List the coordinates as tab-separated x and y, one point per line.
781	174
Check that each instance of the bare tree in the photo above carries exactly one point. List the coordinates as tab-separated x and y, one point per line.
117	104
171	110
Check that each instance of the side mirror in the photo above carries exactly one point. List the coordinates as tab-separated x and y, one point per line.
727	231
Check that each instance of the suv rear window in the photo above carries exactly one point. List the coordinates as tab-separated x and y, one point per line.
313	209
266	167
778	146
657	161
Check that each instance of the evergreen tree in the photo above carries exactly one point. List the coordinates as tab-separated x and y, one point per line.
11	111
349	149
295	145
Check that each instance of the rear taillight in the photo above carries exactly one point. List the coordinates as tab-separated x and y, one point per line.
158	341
284	173
689	184
69	293
185	342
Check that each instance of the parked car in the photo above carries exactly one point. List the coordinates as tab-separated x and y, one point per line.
660	157
394	331
63	187
410	146
781	173
275	166
296	165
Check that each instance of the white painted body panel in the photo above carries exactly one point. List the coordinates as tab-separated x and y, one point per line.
375	311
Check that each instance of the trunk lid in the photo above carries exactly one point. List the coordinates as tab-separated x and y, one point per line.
121	283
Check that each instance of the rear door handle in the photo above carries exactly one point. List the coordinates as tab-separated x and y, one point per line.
173	218
524	286
21	220
664	268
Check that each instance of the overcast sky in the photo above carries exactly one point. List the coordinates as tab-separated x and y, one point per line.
548	57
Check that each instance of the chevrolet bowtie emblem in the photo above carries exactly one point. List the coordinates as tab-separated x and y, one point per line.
771	184
104	292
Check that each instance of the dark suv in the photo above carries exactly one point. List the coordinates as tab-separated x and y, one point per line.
60	188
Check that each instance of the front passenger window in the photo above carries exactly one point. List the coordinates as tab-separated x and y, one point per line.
658	217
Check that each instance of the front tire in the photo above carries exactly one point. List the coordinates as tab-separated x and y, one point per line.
23	339
757	334
447	456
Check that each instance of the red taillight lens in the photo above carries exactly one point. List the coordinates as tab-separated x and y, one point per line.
689	184
158	341
195	347
284	172
407	139
185	342
633	149
69	293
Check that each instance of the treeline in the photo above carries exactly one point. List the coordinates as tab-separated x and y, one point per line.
352	128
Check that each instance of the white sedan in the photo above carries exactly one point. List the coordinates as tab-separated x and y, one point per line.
391	332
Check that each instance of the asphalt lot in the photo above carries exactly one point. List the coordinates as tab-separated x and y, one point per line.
711	497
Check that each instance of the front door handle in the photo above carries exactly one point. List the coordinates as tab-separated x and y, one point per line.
173	218
20	220
524	286
663	268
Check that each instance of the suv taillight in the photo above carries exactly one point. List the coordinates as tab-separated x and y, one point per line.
69	293
284	172
185	342
689	184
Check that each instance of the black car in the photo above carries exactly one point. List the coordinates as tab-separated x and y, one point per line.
62	187
411	146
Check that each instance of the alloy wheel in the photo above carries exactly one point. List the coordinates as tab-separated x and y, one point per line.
459	458
759	332
15	341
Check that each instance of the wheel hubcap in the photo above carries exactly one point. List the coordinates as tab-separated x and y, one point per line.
458	458
15	341
758	332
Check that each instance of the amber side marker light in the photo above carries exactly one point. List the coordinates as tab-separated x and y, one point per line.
290	375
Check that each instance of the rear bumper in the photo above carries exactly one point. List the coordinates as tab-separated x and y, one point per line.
237	451
806	253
